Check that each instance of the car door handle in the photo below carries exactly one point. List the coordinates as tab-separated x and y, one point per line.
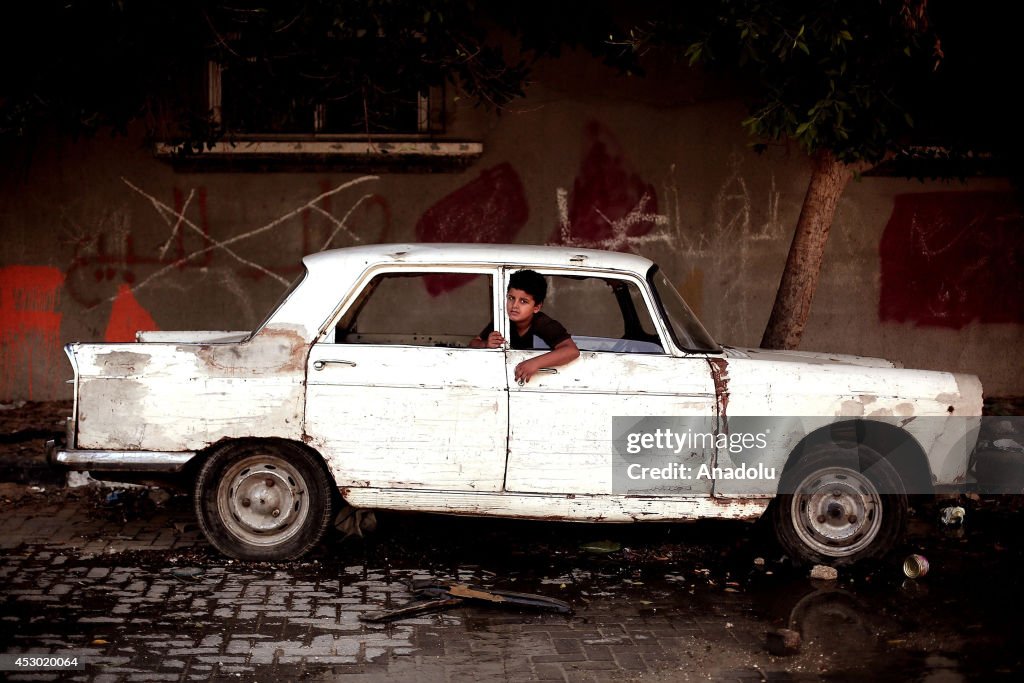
546	371
321	364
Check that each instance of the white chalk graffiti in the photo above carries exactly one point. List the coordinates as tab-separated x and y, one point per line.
732	211
176	219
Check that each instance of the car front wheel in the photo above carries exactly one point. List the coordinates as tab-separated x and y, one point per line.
839	504
263	500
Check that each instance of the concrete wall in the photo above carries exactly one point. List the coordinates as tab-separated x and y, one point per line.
97	234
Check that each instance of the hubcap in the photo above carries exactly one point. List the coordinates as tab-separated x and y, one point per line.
837	511
262	500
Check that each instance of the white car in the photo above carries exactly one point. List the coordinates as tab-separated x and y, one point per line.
360	389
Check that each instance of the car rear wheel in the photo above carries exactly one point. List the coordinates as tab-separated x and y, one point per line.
839	504
263	500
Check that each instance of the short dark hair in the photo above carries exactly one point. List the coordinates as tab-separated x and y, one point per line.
531	282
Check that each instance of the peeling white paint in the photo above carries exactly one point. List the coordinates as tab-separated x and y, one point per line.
449	430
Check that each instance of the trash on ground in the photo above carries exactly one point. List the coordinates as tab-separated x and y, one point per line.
410	610
823	572
433	595
187	573
353	521
953	515
915	566
601	547
158	496
79	479
783	642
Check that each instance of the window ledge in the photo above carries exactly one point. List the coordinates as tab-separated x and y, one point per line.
414	155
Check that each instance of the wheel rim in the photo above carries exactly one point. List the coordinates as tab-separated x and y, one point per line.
837	511
262	500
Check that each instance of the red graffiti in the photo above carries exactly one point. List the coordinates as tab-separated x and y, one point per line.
609	202
490	209
127	317
29	330
949	258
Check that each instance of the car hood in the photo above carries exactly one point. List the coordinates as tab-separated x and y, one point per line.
809	357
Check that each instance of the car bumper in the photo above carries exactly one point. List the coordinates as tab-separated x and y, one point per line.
118	461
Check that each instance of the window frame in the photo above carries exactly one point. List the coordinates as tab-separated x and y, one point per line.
629	278
328	331
429	115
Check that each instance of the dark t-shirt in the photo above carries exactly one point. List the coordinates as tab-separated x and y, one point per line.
542	325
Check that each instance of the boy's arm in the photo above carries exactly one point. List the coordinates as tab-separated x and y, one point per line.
564	352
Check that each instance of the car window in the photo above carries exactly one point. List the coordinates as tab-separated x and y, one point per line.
602	314
418	309
688	331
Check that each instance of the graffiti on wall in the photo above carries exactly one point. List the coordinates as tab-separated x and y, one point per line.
950	258
108	266
610	205
110	263
30	330
491	208
117	258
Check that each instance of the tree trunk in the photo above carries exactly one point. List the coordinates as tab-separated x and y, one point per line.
800	278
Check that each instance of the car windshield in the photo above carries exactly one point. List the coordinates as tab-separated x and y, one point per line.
687	331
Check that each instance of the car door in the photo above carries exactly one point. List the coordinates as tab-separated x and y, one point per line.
394	397
562	423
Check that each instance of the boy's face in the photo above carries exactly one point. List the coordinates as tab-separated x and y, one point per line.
520	306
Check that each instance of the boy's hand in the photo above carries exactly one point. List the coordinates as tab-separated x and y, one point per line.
526	370
494	340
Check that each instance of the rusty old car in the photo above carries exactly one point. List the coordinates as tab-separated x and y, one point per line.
359	390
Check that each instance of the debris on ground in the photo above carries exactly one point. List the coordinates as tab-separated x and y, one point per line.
601	547
953	515
824	573
353	521
783	642
915	566
432	596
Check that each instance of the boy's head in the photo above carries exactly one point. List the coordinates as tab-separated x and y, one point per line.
531	282
526	292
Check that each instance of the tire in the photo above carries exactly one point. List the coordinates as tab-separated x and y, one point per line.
263	500
839	504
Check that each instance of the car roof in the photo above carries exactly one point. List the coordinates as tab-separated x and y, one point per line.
465	254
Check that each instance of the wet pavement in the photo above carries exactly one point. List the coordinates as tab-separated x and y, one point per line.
126	582
123	579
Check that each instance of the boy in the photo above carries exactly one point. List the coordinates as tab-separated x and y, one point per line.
526	292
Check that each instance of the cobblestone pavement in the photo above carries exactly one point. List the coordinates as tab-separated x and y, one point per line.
123	579
128	584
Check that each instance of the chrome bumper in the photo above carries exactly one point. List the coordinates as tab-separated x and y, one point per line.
119	461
